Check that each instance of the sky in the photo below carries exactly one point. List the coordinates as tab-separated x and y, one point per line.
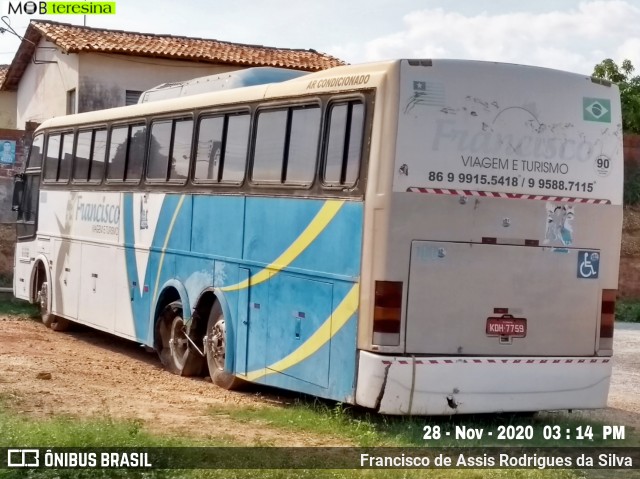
568	35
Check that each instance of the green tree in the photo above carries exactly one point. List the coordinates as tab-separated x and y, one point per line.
629	90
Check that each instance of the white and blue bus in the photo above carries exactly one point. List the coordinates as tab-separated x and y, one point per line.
413	236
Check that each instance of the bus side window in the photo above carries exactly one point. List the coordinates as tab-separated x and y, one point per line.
83	156
236	146
209	148
117	153
181	150
88	162
303	146
159	150
31	199
344	144
98	155
268	156
52	158
221	152
66	157
137	148
287	146
35	156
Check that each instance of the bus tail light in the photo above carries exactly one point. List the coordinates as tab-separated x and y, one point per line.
607	314
387	312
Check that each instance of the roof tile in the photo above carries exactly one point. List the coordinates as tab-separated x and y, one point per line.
79	39
3	72
76	39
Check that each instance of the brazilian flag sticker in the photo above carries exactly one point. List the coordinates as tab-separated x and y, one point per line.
596	109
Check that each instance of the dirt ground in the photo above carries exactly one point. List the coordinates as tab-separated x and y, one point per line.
95	374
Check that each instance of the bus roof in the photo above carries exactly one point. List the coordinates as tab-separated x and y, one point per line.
338	79
343	78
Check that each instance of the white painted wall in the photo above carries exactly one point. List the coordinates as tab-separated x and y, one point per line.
8	105
42	91
105	78
100	80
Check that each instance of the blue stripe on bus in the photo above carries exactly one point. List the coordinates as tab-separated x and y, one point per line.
130	260
202	240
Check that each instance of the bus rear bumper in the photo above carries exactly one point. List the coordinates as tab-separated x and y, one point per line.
466	385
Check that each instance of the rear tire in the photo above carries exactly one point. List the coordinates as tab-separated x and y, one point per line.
56	323
216	351
176	353
43	300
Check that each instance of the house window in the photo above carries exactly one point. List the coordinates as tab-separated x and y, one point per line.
132	97
71	101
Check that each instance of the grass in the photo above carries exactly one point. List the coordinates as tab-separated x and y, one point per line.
65	431
17	307
19	430
366	429
628	310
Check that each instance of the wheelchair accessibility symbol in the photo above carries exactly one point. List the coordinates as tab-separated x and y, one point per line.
588	264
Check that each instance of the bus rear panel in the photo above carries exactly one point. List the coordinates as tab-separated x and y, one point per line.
501	253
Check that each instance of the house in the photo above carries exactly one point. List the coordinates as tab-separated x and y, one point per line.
7	103
11	139
61	68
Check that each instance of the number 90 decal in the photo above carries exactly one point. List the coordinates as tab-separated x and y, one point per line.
602	165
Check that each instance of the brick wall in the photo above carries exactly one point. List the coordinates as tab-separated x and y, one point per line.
18	137
629	279
8	171
631	151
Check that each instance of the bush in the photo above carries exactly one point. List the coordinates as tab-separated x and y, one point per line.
628	311
632	186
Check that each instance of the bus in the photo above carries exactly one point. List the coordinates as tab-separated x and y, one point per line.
424	237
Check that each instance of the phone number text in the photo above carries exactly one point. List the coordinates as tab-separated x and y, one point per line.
513	181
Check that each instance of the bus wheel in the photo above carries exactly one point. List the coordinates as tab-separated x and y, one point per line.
48	318
176	353
43	300
216	350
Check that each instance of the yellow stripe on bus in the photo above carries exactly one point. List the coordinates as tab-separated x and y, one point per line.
328	211
325	332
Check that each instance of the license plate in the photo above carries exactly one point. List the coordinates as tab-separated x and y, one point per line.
513	327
